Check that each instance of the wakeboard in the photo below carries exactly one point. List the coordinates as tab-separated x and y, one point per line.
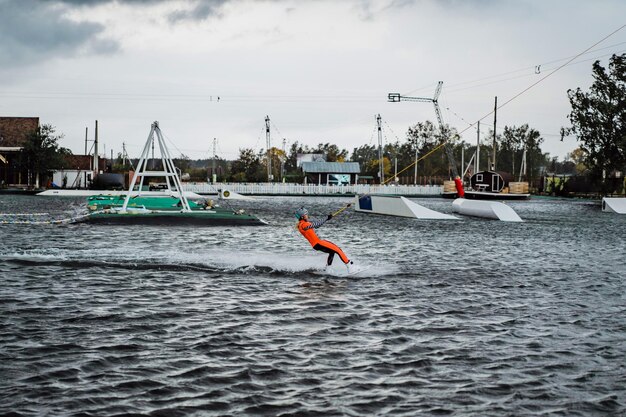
356	270
342	272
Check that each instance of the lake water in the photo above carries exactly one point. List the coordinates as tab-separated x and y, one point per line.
467	318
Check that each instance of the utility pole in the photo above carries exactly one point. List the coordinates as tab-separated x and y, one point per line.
213	171
522	168
282	161
152	165
462	159
478	148
90	162
126	157
269	147
495	112
396	97
395	170
415	178
381	165
95	152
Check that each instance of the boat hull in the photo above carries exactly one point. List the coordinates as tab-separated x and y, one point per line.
170	218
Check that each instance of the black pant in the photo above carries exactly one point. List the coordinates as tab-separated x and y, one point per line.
329	251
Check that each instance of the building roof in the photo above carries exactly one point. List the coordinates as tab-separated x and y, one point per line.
15	130
82	162
331	167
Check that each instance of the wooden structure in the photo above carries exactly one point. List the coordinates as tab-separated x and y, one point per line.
14	132
331	173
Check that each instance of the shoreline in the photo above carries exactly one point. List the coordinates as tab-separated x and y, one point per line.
33	192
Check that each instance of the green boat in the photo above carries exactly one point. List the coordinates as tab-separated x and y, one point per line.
164	211
172	209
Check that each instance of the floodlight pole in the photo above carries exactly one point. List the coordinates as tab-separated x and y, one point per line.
213	169
397	97
269	147
381	164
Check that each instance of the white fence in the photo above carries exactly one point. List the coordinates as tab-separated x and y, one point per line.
312	189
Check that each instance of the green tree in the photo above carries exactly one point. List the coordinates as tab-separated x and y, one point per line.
183	162
365	155
248	167
426	137
42	154
578	157
511	145
331	152
291	168
598	118
122	164
374	166
278	156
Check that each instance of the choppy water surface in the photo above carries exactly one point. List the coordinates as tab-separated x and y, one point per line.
469	318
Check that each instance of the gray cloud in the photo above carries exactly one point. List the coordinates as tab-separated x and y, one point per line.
193	10
32	31
98	2
201	10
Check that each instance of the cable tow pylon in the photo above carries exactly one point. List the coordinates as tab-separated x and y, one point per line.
397	97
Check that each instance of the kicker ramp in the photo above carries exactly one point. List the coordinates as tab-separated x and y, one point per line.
398	206
614	205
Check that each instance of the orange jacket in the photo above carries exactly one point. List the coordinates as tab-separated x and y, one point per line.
308	231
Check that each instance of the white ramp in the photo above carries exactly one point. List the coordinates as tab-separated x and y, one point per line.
231	195
485	209
614	205
398	206
62	192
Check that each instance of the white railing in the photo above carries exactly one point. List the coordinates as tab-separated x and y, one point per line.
311	189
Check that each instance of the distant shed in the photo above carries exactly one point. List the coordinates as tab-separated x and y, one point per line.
331	173
14	132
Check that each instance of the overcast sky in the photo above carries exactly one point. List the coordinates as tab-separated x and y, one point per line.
321	70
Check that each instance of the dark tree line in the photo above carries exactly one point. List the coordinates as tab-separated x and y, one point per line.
251	166
423	143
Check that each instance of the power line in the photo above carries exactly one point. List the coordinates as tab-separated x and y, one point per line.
523	75
428	87
543	64
545	76
394	133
